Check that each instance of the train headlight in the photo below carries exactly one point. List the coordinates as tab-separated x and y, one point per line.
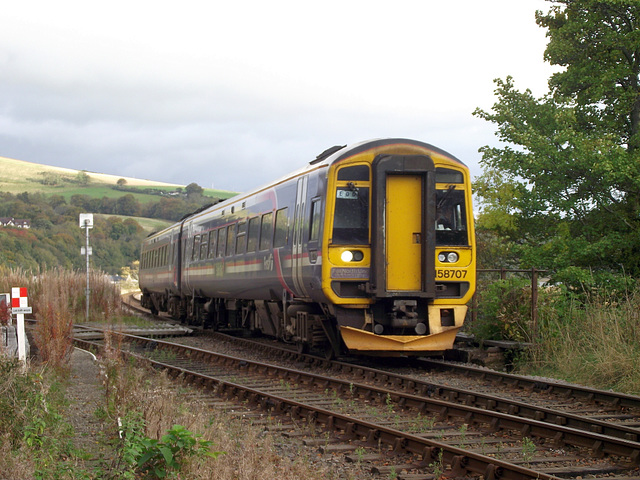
351	256
448	257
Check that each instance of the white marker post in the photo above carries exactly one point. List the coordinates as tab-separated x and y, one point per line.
20	306
86	222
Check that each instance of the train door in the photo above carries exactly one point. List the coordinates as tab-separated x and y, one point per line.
403	245
298	237
403	218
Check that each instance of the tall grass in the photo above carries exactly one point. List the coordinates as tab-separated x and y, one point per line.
596	342
58	299
35	441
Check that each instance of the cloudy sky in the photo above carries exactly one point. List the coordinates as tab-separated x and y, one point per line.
234	94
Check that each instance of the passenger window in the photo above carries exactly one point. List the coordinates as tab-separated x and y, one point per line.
222	241
254	231
196	246
316	212
231	233
204	245
241	238
266	231
213	242
282	228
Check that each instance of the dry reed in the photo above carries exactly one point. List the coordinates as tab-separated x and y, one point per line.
58	299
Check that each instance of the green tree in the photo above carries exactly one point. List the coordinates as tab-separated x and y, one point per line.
83	178
194	190
564	187
127	205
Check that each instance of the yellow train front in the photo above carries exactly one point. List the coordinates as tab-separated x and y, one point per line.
398	247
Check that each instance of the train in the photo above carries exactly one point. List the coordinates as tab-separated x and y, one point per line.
368	249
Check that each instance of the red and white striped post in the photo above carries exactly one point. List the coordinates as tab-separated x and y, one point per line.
20	306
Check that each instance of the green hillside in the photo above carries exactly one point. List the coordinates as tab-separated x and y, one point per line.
19	176
125	211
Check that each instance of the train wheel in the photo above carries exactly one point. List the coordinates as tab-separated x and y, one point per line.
303	348
329	353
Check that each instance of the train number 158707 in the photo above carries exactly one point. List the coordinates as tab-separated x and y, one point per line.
450	274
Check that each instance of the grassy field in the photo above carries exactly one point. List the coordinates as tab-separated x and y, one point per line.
19	176
148	224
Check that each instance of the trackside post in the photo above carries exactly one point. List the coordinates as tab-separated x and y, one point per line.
20	306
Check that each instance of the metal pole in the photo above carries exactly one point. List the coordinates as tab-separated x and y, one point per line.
534	302
86	226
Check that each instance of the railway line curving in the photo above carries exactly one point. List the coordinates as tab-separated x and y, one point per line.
467	433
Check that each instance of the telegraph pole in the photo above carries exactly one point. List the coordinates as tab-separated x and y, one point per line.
86	222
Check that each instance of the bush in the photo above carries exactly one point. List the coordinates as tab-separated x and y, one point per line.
582	283
166	455
504	311
4	313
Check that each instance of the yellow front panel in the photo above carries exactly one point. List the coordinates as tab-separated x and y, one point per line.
404	232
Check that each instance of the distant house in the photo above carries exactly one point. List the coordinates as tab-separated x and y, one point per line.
17	223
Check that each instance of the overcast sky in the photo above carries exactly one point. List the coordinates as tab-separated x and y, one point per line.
234	94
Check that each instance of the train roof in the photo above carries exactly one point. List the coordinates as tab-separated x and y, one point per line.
323	160
338	153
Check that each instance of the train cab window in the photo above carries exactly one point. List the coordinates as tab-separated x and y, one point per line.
351	216
204	245
195	247
354	173
446	175
282	228
231	234
266	231
222	241
213	243
254	232
241	238
451	217
316	213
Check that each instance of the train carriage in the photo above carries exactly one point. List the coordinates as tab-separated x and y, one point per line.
367	249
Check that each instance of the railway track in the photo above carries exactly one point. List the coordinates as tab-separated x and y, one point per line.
434	428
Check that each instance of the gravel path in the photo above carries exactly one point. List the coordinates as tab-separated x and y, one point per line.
85	395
